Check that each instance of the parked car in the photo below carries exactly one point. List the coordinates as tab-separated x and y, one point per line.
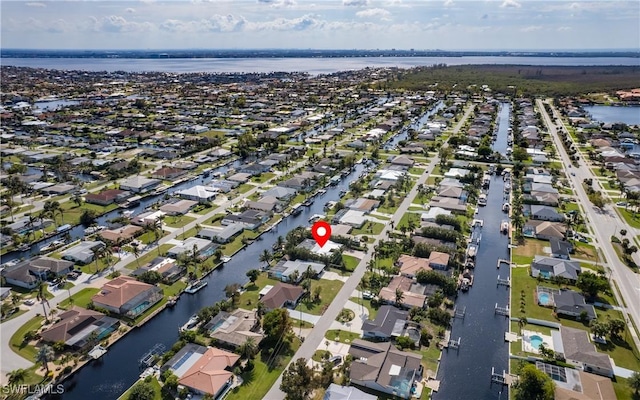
29	302
336	360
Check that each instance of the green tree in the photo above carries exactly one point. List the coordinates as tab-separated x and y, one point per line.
16	376
45	355
142	391
616	326
598	328
297	380
591	284
276	323
249	348
634	384
533	385
253	275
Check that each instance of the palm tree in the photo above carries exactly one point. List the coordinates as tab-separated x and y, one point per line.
136	254
16	376
521	323
63	282
45	354
43	300
249	348
266	256
399	296
77	198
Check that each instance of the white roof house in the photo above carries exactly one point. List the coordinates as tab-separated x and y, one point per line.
199	193
433	213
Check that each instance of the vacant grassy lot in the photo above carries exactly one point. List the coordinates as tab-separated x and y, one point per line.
80	299
145	259
178	221
350	262
328	291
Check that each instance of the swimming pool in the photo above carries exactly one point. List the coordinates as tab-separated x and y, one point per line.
544	299
535	341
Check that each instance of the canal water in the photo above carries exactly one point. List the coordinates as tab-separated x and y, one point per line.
466	373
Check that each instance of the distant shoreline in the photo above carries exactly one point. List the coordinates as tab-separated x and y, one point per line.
302	53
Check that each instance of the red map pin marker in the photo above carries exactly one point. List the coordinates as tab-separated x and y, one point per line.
321	232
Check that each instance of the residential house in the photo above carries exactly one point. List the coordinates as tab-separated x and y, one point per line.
409	299
389	323
235	328
384	368
337	392
223	234
438	260
266	204
203	370
353	218
203	248
448	203
545	213
282	295
280	193
410	265
549	267
572	304
561	248
179	207
285	268
432	214
106	197
139	184
120	235
545	230
403	161
148	218
361	204
168	173
199	193
29	273
574	345
76	327
249	219
167	267
127	296
83	252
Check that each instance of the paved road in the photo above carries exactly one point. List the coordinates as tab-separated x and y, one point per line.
316	337
605	223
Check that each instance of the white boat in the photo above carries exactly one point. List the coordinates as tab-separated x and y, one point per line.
194	287
225	259
52	246
93	229
505	207
192	322
97	352
504	227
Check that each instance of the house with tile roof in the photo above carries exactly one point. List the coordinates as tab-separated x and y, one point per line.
282	295
76	325
127	296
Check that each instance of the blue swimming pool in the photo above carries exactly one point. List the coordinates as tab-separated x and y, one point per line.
544	299
535	341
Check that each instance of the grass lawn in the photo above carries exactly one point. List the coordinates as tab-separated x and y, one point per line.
530	248
249	297
157	390
215	221
409	216
632	218
263	177
571	207
416	170
72	213
341	336
257	382
244	188
187	234
329	290
150	237
386	209
350	262
622	388
367	304
321	355
232	247
173	289
80	299
202	209
521	260
429	355
153	253
16	343
178	221
621	351
369	228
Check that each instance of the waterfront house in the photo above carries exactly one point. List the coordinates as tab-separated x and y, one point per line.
106	197
266	204
203	248
83	252
384	368
433	213
285	268
389	323
127	296
249	219
544	230
280	193
29	273
362	204
168	173
139	184
148	218
199	193
403	160
235	328
282	295
549	267
203	370
167	267
76	326
576	348
561	248
223	234
545	213
353	218
337	392
25	224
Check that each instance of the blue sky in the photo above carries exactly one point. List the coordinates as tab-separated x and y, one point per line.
321	24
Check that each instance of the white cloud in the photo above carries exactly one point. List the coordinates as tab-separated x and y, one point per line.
40	5
305	22
510	4
117	24
374	13
130	10
531	28
358	3
448	3
564	28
